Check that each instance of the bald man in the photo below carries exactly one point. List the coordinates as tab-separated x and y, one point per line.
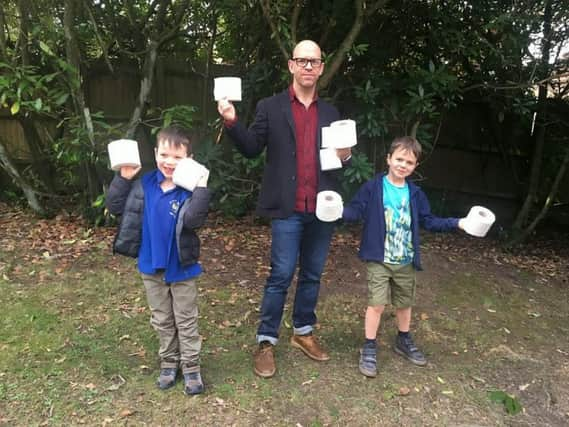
288	125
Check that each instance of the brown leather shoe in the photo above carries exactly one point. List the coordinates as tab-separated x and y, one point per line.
264	360
309	345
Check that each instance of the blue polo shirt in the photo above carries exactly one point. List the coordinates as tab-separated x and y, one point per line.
158	249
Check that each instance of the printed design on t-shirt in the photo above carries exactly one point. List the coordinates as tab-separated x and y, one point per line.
398	241
174	206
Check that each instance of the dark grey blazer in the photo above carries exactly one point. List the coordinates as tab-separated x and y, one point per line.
274	129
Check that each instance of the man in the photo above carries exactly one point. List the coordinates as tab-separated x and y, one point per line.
289	126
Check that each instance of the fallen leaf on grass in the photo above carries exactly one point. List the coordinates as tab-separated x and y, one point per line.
404	391
126	413
524	387
424	316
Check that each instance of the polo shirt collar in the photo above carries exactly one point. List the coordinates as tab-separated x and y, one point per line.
292	94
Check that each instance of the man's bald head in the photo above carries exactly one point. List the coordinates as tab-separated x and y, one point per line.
304	46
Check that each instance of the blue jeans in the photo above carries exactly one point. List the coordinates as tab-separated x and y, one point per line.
303	238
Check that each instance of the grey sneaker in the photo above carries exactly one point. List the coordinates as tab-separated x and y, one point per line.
405	347
193	383
368	361
167	378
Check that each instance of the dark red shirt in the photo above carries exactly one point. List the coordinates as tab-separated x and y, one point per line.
306	128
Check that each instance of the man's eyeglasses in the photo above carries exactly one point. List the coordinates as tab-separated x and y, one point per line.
303	62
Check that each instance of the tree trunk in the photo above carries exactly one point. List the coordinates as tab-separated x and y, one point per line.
3	46
548	202
8	165
73	55
145	88
206	95
40	165
23	36
541	118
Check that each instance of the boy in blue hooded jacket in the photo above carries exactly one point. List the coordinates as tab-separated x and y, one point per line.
392	209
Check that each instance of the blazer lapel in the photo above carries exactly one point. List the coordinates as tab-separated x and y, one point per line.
287	111
319	125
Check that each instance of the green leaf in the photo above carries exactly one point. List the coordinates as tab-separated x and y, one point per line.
46	48
497	396
512	405
15	108
38	104
61	99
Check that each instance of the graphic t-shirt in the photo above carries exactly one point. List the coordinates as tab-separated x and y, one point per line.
398	239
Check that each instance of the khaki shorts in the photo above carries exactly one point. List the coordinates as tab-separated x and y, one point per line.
391	284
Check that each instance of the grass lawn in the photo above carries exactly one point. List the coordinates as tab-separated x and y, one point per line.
76	346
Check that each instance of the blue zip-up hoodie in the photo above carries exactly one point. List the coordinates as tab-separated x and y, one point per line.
367	205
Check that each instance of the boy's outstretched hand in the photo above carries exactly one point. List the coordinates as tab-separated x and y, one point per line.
129	172
461	223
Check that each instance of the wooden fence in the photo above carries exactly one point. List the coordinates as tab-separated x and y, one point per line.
464	168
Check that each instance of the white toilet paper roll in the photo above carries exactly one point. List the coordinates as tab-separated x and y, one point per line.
329	159
227	87
478	221
123	152
328	140
188	173
345	135
329	206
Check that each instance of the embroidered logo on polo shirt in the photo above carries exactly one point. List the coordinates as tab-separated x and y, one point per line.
174	206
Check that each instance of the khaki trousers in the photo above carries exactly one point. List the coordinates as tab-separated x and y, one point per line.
174	309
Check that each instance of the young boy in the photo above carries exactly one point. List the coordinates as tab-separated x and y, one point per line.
158	226
392	209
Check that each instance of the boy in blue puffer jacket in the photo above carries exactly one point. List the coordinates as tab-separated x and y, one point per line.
158	226
392	209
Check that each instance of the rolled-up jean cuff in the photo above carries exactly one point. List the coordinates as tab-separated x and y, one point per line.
305	330
272	340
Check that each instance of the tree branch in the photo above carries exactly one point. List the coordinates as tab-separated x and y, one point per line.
30	194
265	5
362	12
294	21
98	36
3	45
515	86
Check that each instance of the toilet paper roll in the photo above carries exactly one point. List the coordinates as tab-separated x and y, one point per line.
123	152
329	206
478	221
329	159
227	87
345	135
328	140
188	173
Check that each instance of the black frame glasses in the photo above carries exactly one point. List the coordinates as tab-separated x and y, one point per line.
303	62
